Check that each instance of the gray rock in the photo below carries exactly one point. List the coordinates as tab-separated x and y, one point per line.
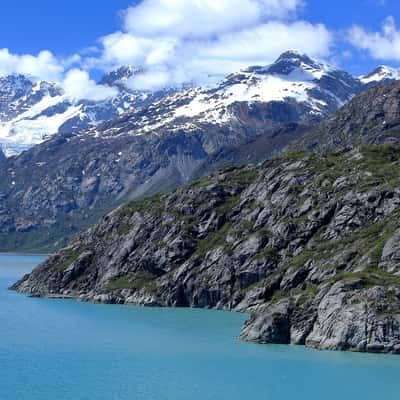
312	266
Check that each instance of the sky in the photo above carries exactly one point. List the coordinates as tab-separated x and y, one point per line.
176	41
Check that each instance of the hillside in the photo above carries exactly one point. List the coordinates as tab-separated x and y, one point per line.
372	117
53	190
306	243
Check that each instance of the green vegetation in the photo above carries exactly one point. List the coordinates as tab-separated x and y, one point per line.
293	155
307	294
279	295
299	261
152	205
134	280
383	163
229	204
371	276
69	256
242	176
214	240
268	253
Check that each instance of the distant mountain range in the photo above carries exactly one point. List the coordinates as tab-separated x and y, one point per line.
32	111
51	191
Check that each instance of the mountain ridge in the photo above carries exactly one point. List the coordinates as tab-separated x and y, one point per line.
52	191
373	117
31	111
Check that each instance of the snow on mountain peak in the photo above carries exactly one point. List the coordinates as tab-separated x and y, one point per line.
31	111
381	74
292	77
119	75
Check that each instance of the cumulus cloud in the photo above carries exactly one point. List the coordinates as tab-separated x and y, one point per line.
78	85
42	66
199	18
45	66
177	41
383	45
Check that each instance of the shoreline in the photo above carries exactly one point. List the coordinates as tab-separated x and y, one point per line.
248	314
21	253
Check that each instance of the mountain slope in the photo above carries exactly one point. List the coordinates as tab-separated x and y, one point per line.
32	111
55	189
295	88
308	244
371	117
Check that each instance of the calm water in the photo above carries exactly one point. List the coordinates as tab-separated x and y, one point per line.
54	349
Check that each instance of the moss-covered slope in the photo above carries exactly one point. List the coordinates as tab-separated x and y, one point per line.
308	244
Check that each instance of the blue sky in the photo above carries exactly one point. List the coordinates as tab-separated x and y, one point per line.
179	40
65	26
341	14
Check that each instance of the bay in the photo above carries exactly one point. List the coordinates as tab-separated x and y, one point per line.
62	349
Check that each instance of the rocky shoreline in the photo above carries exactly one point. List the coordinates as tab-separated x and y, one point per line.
307	244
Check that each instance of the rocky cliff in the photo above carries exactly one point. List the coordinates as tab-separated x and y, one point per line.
307	244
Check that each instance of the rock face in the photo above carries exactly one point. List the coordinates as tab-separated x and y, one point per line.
371	117
305	243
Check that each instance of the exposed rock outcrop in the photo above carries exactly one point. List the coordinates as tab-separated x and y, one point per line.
307	244
372	117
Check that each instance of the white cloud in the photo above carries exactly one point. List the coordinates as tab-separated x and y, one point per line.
199	18
384	45
150	80
78	85
189	40
177	41
43	66
267	41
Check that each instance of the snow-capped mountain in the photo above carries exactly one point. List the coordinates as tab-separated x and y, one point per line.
381	74
293	89
32	111
65	183
294	77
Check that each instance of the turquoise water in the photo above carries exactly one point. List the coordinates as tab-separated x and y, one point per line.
66	350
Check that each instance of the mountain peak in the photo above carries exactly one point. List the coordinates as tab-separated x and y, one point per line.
292	60
16	80
294	55
381	74
120	74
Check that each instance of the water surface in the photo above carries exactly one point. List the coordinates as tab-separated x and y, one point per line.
66	350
